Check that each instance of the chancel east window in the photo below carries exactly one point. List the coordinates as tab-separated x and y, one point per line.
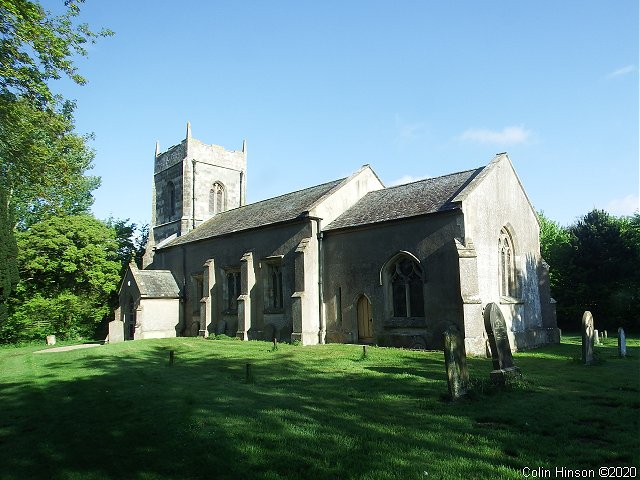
217	199
508	283
274	297
232	290
406	288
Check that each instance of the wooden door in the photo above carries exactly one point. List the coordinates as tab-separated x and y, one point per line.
365	320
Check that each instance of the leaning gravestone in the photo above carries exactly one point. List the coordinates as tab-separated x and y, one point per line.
622	343
587	338
496	327
455	360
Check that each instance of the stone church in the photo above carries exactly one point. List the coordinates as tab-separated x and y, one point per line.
344	261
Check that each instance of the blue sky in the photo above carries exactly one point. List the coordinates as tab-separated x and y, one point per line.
413	88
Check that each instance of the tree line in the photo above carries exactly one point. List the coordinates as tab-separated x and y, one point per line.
59	266
594	265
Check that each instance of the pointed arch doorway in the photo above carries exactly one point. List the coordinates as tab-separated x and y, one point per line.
365	320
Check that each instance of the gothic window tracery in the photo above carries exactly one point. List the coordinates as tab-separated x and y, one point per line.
217	198
406	288
508	283
274	296
232	289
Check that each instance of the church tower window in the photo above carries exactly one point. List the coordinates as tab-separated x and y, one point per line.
217	199
508	283
171	198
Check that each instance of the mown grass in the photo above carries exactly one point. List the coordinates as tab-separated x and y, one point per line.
325	412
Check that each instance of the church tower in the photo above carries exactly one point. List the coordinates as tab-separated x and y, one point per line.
193	181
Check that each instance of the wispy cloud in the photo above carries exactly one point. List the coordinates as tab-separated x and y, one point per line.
507	136
406	179
624	206
406	131
621	71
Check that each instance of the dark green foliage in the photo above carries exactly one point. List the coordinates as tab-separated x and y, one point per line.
594	266
131	239
8	254
68	271
43	163
43	166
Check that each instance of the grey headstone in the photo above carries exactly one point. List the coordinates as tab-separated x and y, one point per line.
496	327
622	343
587	338
501	356
269	332
605	334
116	331
221	328
596	337
455	360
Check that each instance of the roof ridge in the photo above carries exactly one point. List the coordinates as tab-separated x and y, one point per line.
285	194
431	178
220	214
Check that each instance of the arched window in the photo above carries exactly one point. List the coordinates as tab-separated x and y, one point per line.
508	284
217	199
171	199
405	278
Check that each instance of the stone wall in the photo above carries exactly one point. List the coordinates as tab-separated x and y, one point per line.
498	202
353	261
269	244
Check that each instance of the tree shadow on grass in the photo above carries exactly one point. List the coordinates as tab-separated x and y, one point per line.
124	412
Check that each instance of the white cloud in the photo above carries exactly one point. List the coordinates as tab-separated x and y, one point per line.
406	131
405	179
624	206
621	71
507	136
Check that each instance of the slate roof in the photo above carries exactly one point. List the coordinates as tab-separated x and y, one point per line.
156	283
417	198
273	210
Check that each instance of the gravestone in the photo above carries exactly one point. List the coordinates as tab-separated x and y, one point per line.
50	339
604	334
116	331
455	360
221	328
587	338
622	343
269	332
596	337
496	328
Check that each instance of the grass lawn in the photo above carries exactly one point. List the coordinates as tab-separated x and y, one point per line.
121	411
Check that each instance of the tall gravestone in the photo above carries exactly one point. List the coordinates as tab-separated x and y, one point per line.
622	343
116	331
496	327
455	360
587	338
596	337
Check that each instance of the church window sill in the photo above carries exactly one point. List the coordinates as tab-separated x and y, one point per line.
511	301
